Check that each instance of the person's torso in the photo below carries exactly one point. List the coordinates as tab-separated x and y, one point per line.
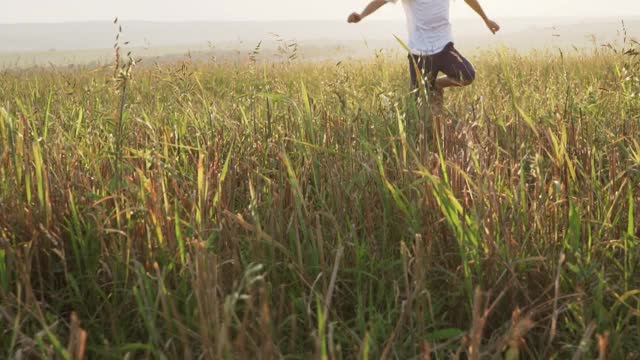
428	14
428	24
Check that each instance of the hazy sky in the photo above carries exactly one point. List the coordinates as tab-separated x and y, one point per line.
16	11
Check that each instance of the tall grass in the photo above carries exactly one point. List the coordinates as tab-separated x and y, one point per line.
298	210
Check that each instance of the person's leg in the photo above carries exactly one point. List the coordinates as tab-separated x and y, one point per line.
415	63
458	70
423	77
424	74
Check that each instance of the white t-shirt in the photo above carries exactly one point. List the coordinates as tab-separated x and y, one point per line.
428	24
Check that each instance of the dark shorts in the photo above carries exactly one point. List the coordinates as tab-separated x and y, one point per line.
449	61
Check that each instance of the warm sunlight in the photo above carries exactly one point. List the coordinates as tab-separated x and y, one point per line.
168	10
319	179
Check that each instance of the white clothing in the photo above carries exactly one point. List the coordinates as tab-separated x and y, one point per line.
428	24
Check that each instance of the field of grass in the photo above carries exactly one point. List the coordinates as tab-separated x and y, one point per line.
292	210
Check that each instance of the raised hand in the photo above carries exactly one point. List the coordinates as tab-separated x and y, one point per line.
354	18
492	25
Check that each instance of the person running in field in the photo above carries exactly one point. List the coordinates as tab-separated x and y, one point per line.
431	43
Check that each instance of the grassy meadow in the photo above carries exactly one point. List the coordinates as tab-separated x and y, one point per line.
313	210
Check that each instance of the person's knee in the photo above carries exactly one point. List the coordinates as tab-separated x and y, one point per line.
467	77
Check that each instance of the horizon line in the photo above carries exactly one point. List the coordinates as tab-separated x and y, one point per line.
209	21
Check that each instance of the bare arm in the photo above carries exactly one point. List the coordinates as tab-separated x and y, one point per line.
475	5
370	9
